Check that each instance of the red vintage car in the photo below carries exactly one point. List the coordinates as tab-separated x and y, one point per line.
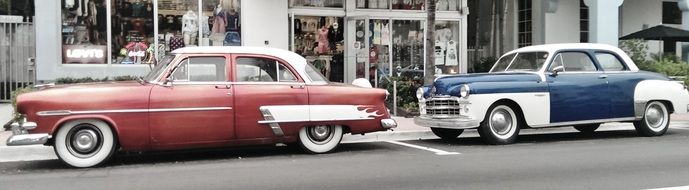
201	97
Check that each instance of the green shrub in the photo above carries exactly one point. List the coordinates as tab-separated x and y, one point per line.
14	98
637	50
406	92
70	80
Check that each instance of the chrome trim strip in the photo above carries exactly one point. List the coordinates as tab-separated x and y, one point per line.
639	108
277	131
586	122
69	112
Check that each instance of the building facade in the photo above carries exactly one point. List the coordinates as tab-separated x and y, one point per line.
346	39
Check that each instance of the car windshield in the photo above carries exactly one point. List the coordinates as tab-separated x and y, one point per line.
159	68
524	61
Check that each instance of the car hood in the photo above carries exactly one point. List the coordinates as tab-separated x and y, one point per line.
450	85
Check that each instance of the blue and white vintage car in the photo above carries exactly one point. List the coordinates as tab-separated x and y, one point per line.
580	85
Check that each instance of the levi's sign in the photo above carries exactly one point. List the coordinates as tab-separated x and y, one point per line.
84	54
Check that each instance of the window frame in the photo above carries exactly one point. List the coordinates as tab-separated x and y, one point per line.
179	60
587	53
278	62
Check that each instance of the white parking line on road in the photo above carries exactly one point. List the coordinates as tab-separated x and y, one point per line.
672	188
436	151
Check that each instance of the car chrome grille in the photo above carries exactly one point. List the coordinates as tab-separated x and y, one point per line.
443	106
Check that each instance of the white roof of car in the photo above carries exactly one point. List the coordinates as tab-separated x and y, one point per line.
296	60
552	48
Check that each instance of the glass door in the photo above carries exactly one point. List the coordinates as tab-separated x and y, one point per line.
357	48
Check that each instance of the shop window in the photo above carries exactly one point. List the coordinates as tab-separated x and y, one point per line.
407	48
671	13
317	3
524	23
132	32
379	52
447	47
408	4
373	4
447	5
221	23
84	32
321	41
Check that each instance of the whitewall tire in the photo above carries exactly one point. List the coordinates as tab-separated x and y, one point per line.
500	126
320	139
656	120
84	143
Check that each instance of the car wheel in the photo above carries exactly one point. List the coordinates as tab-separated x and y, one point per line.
84	143
500	126
447	133
320	138
587	128
656	120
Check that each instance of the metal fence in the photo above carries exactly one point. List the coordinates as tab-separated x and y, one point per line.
17	52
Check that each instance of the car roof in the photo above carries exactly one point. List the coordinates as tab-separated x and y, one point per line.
552	48
292	58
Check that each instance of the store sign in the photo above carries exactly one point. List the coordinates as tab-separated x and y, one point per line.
84	54
136	54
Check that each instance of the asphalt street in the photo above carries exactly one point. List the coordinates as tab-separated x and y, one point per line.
542	159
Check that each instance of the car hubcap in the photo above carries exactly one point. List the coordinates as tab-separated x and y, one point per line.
320	134
501	122
655	116
84	140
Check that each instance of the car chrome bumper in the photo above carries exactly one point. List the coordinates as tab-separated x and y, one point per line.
461	122
20	134
388	123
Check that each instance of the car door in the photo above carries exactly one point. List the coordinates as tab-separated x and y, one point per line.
271	98
580	91
621	83
195	105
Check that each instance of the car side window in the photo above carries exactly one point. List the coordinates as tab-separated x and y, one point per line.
201	69
574	62
557	61
609	62
254	69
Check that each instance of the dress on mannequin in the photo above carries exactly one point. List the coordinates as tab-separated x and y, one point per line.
451	57
385	34
335	34
219	22
232	21
190	27
323	44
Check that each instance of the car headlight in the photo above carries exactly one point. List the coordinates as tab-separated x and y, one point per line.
419	93
464	91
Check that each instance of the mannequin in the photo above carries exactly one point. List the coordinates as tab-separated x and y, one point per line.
219	20
190	27
232	21
323	44
451	57
335	34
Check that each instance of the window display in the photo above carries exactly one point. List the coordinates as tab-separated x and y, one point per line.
379	56
407	48
408	4
132	32
317	3
373	4
84	32
447	5
447	47
320	40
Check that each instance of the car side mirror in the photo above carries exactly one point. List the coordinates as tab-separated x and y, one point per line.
169	81
557	70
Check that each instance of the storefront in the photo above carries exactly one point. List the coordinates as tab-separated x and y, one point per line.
374	39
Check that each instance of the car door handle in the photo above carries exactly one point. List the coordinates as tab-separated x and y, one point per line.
297	86
223	87
602	76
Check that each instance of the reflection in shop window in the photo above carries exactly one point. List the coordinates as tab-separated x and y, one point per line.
132	32
407	48
317	3
84	32
373	4
447	47
408	4
379	52
320	40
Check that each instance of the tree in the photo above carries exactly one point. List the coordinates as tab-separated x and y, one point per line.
429	66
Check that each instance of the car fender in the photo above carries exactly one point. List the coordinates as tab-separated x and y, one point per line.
670	91
535	106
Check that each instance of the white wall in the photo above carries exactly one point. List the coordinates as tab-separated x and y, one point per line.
265	20
563	25
636	13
